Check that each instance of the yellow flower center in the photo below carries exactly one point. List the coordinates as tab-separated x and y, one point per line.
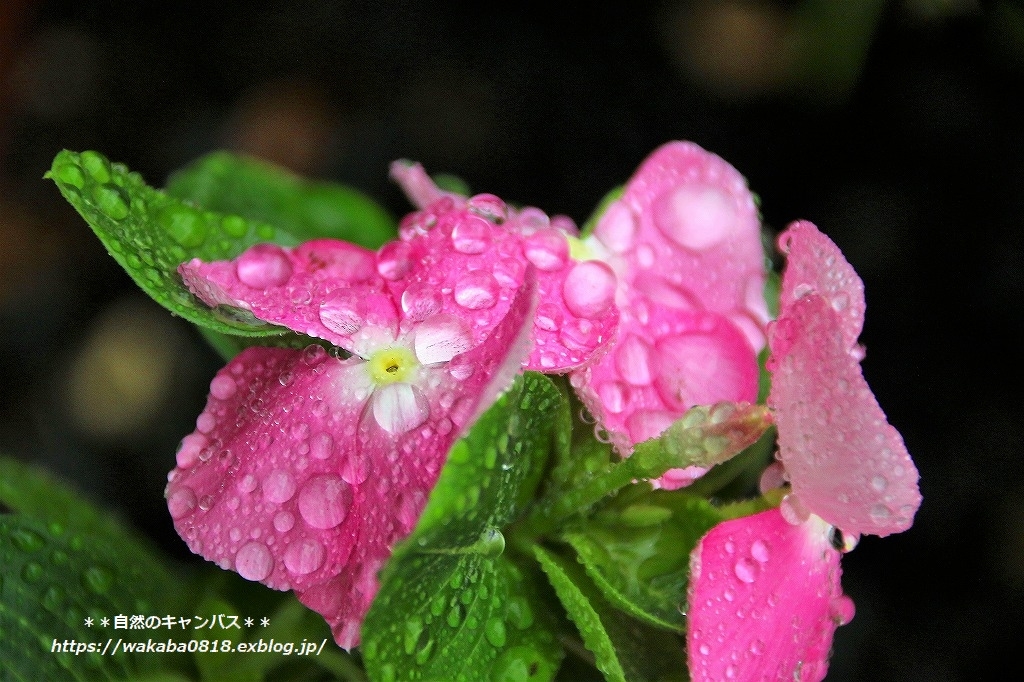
392	365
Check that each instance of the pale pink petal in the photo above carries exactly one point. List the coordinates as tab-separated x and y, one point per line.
325	288
655	372
302	474
399	407
764	601
816	265
846	463
686	233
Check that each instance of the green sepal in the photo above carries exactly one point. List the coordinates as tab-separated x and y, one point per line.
64	561
304	209
636	548
467	609
150	233
624	649
602	206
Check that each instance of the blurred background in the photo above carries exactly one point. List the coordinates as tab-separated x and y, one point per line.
892	125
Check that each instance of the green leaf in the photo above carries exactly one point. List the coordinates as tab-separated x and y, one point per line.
624	649
150	233
64	561
263	192
452	605
636	549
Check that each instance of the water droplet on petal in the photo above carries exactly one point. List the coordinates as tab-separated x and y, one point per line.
181	502
247	484
746	570
759	550
263	266
278	486
324	501
321	445
842	609
223	387
471	235
488	206
313	355
420	301
589	289
879	483
342	312
793	510
695	216
617	228
880	513
393	260
254	561
304	556
355	470
284	521
547	249
613	396
476	290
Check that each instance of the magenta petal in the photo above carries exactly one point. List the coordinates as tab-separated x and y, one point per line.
325	288
655	372
764	600
686	234
846	463
467	267
302	474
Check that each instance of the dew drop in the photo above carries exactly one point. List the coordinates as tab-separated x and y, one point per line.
284	521
879	483
27	540
70	174
759	550
264	266
793	510
471	235
247	484
696	216
476	290
98	579
112	201
324	501
393	260
32	572
547	249
342	312
254	561
321	445
181	502
223	387
880	513
313	355
304	556
745	570
278	486
420	301
489	207
842	609
589	289
494	631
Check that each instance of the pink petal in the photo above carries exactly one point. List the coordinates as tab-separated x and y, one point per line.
417	185
291	481
656	371
764	600
846	463
686	233
458	262
816	265
324	288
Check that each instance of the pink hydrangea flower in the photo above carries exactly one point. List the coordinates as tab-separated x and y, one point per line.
684	240
765	597
306	468
576	315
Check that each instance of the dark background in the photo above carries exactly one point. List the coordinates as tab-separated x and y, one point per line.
890	125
